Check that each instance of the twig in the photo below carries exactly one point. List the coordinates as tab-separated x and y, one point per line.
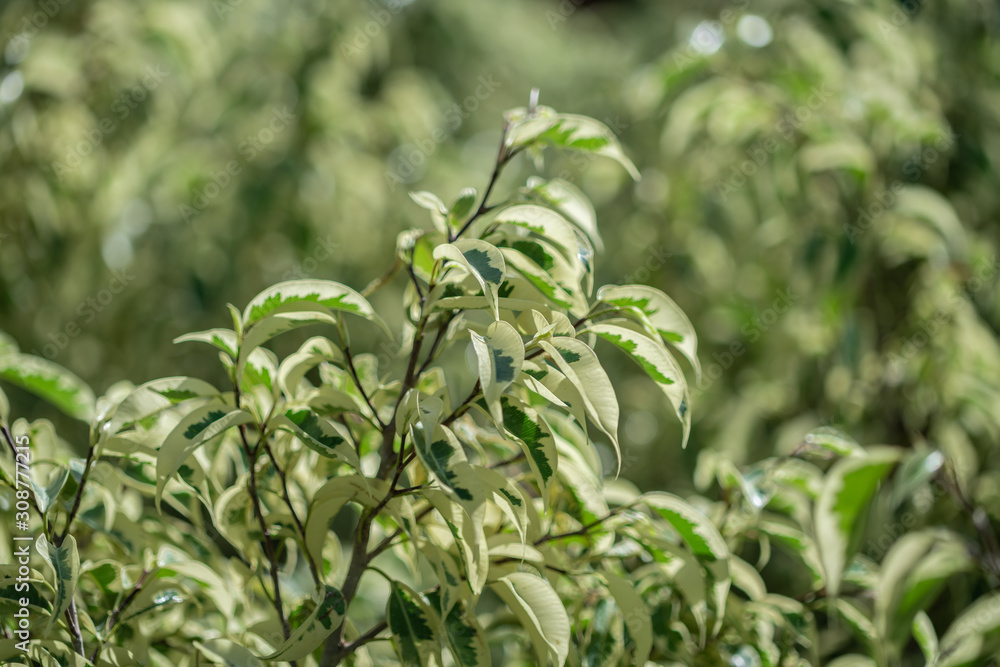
295	516
581	531
357	382
502	158
109	625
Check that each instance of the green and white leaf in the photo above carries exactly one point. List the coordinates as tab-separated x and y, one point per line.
50	382
571	203
636	615
501	354
666	317
462	634
221	339
659	365
326	438
327	617
64	561
578	362
227	652
412	629
541	612
191	432
842	508
483	261
703	539
971	634
525	427
569	131
323	296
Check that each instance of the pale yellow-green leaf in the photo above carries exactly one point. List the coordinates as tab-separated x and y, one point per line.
842	507
581	367
666	317
541	612
654	358
500	354
636	614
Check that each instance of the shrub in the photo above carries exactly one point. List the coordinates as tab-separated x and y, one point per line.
206	523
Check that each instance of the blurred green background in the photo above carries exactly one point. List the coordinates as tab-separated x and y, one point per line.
819	189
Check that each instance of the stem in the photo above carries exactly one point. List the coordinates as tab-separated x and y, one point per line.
73	621
112	621
377	284
77	498
581	531
476	390
288	502
357	382
258	511
502	159
366	637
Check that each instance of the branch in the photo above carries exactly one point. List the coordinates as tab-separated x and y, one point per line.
295	516
581	531
357	382
502	159
109	625
476	390
377	284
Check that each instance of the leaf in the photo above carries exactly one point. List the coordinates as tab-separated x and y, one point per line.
462	207
637	617
540	611
571	203
544	222
913	573
46	495
665	316
925	636
229	653
65	563
310	354
583	369
524	425
430	201
222	339
310	295
440	454
276	324
194	430
966	638
501	355
328	501
653	358
152	398
483	261
570	131
327	617
703	539
50	382
410	625
464	639
539	278
324	437
841	509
